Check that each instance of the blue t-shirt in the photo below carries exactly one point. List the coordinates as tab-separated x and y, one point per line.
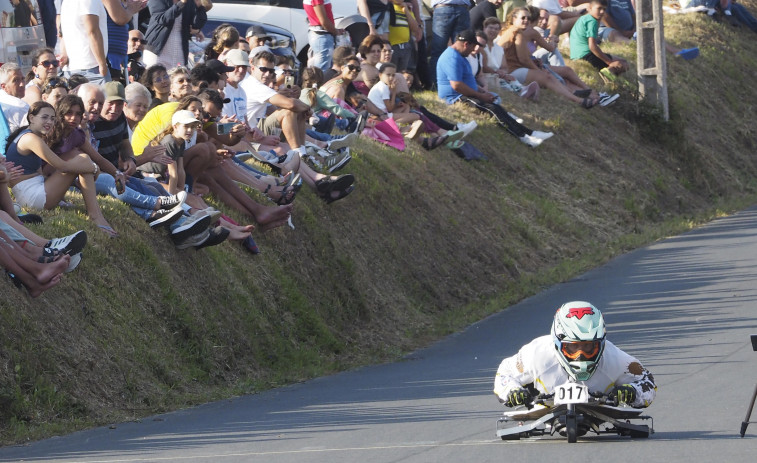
622	12
453	67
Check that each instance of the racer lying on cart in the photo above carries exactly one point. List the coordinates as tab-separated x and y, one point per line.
576	351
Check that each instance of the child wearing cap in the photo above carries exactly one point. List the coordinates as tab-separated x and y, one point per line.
174	138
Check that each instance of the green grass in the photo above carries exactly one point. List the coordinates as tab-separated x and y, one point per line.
425	245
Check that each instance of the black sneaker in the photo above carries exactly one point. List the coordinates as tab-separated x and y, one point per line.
192	225
71	244
169	202
29	219
216	236
163	217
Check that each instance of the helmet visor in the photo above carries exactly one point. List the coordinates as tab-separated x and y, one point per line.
580	350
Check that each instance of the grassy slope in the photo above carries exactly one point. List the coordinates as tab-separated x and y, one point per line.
426	244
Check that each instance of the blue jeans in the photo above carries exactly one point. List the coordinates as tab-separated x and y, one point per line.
447	22
142	204
320	136
92	75
744	16
322	48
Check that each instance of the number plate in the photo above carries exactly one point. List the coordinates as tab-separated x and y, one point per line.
571	393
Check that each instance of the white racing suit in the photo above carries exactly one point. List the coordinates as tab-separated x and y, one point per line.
536	366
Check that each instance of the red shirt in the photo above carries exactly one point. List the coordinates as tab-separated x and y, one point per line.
308	5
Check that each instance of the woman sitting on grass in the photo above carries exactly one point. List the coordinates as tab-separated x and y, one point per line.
28	147
515	40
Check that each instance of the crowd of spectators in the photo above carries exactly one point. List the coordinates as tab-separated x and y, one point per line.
112	110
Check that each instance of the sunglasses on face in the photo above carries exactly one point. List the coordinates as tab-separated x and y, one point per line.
160	79
289	72
353	68
264	70
54	63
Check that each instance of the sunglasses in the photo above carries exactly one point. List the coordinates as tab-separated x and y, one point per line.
54	63
264	70
52	84
160	79
289	72
352	67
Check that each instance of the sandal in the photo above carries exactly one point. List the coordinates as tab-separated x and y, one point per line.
341	194
433	142
16	280
455	145
343	185
108	230
588	103
294	184
583	93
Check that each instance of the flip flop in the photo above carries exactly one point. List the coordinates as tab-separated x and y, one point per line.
455	145
433	142
454	135
109	231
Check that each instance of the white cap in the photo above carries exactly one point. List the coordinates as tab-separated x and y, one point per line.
184	117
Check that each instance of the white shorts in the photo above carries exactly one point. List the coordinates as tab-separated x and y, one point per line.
31	192
520	74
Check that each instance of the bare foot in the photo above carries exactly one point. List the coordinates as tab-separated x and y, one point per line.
35	290
272	225
237	235
273	214
49	271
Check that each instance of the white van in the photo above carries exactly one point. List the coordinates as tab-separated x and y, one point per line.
289	15
20	32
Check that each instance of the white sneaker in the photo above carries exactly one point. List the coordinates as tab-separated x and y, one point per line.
531	141
607	99
517	119
73	263
542	135
467	127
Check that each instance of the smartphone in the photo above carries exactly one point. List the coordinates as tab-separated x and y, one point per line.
225	128
289	81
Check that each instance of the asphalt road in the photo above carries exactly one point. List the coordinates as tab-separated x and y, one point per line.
684	306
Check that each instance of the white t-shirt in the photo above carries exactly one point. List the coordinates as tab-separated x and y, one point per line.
552	6
379	92
14	109
80	54
237	105
257	98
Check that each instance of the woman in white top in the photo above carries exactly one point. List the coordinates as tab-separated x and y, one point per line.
45	66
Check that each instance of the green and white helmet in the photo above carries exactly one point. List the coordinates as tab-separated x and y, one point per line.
578	332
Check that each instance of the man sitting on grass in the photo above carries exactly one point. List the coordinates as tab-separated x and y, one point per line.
584	43
456	82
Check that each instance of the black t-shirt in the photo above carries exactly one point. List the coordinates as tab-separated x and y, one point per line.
480	12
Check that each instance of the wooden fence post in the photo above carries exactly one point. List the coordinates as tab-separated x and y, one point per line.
651	63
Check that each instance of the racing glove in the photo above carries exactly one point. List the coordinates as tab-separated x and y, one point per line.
518	397
624	394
